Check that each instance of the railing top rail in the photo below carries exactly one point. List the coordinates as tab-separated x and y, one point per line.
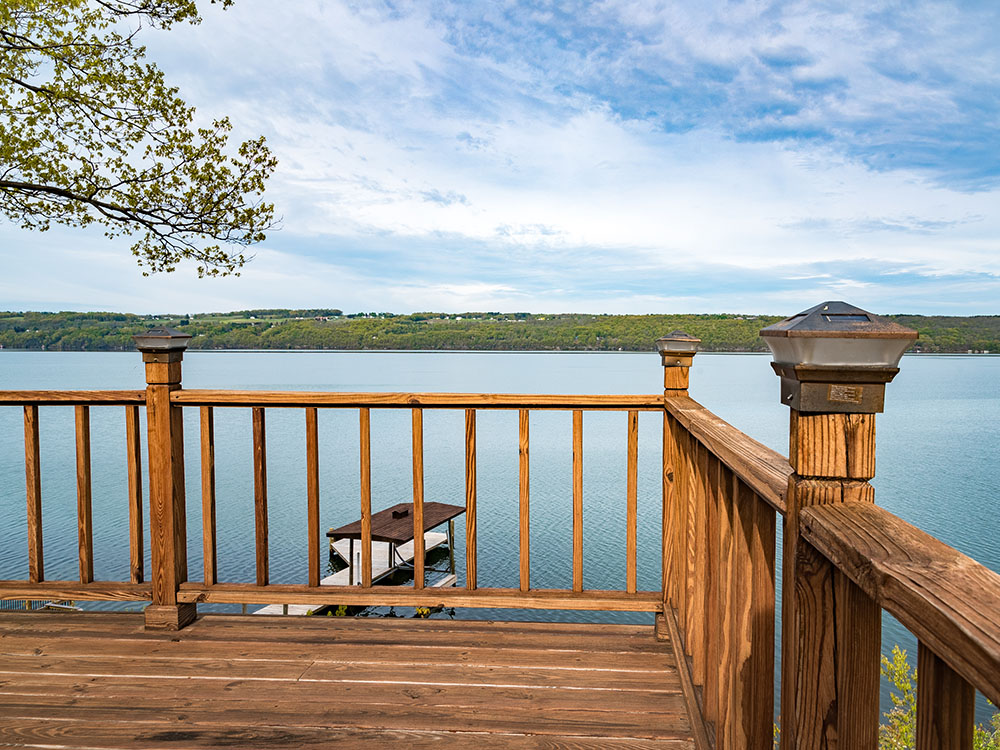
67	398
764	470
946	599
195	397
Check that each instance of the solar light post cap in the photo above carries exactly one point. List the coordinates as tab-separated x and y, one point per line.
836	358
677	349
162	344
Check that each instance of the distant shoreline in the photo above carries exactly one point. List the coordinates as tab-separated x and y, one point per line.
331	330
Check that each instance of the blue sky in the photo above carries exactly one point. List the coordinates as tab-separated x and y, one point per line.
619	156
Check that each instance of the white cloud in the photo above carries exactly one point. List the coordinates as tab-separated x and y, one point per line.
441	154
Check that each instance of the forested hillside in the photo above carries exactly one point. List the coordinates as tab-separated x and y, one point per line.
331	329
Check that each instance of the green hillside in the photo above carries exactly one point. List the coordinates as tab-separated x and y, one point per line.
490	331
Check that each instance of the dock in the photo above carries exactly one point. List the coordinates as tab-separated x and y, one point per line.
381	567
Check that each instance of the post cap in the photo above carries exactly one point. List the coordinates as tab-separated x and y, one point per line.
677	342
161	339
836	358
837	334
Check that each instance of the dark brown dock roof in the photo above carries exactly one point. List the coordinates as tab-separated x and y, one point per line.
395	524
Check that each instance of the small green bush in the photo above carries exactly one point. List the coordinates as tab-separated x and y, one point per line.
899	731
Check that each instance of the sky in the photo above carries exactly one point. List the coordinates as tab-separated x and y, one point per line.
621	156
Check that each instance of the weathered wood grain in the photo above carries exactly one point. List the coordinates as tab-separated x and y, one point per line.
471	562
261	551
84	500
831	628
946	599
668	520
764	470
725	609
33	492
195	397
167	517
698	575
365	436
312	495
208	524
680	447
417	428
524	493
133	460
68	398
710	564
758	522
631	501
832	445
945	705
578	500
73	590
590	599
701	738
164	734
235	680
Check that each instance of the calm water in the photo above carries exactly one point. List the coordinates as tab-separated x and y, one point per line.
937	447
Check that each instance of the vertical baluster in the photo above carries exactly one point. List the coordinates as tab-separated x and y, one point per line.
366	497
751	694
682	491
33	491
668	521
711	591
945	705
208	522
524	524
84	503
577	500
631	501
260	494
759	686
725	608
418	497
133	457
470	500
697	524
312	493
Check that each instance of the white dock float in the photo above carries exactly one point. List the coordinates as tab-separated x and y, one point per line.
381	566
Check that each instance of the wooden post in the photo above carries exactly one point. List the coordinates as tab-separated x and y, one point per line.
162	350
834	360
673	546
831	629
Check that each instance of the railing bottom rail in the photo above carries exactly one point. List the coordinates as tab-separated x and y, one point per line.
395	596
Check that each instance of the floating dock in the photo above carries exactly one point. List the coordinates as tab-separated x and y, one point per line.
382	566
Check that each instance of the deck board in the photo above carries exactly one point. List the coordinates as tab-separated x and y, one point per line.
98	680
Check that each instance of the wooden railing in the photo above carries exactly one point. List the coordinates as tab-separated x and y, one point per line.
629	598
844	559
36	586
174	597
724	491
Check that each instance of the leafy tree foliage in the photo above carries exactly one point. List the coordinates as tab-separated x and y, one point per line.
91	133
899	732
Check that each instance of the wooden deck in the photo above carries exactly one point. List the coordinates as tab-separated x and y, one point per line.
99	680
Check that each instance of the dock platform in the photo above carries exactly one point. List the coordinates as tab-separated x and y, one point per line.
381	566
99	680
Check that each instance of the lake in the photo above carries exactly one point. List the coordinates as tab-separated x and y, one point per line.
936	450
